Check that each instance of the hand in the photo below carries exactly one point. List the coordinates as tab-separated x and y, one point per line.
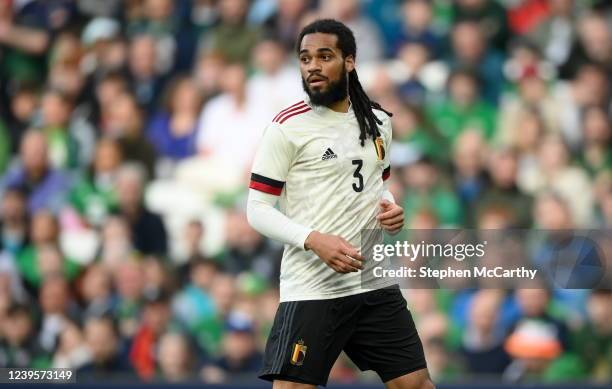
335	251
391	217
5	28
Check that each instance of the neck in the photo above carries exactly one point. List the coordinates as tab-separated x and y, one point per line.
341	106
239	98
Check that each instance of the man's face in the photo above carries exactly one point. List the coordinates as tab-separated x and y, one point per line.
324	69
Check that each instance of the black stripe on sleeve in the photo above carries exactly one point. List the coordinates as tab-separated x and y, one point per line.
268	181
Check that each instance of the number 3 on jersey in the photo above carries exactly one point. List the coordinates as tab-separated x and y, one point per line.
358	187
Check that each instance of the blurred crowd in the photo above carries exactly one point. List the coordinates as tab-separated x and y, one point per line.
127	129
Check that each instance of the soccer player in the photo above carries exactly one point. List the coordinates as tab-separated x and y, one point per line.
325	160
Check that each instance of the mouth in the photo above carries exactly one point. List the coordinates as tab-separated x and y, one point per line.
315	81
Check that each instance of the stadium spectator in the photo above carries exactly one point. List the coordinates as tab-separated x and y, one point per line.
537	355
235	119
273	77
23	105
471	51
13	222
176	362
285	22
491	17
552	171
43	256
503	191
592	47
417	23
427	190
128	280
596	153
537	305
470	178
594	340
148	232
71	352
463	109
193	303
556	33
172	130
482	343
156	320
232	37
70	142
57	308
45	186
93	194
371	46
146	79
19	346
108	353
239	356
125	122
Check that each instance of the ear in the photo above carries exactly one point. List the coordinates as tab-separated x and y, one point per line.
349	63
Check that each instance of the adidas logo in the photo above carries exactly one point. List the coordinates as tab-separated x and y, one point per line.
329	154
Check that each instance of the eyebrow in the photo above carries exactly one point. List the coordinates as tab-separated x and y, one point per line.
322	49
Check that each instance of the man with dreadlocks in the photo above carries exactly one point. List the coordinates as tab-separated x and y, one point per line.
325	160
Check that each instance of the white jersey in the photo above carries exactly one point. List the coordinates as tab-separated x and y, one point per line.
312	158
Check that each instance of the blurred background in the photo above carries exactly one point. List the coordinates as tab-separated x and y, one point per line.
127	130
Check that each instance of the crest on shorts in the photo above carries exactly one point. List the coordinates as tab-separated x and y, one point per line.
380	148
299	353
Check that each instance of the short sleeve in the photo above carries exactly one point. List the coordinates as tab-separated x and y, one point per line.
272	161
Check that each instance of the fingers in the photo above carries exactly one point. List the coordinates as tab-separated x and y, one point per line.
393	212
352	262
393	220
345	265
384	203
353	253
349	259
348	249
341	256
394	228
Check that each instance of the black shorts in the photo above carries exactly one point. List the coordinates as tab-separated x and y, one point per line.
375	329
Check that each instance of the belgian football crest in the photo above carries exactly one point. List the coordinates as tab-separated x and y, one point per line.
299	353
380	148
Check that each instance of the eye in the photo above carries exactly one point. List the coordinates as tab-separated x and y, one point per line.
326	57
304	59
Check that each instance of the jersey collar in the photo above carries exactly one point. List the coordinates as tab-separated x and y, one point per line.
329	113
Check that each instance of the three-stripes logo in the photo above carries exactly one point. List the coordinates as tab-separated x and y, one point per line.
329	154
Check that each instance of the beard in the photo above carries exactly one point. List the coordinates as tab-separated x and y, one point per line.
336	91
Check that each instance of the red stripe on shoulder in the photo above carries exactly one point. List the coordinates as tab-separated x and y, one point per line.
292	114
296	108
299	103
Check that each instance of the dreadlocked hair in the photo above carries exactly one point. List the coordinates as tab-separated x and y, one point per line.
362	105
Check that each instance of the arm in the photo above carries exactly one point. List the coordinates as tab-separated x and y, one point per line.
269	221
23	38
336	252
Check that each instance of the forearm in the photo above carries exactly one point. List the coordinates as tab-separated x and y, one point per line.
26	39
269	221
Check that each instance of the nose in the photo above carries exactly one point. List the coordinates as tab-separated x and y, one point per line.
314	66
